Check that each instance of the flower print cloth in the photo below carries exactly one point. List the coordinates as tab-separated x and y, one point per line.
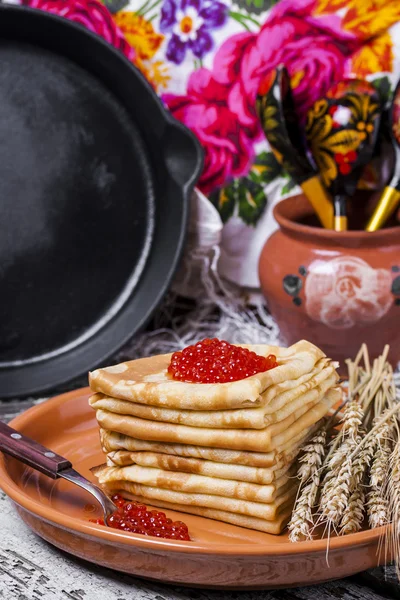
206	59
189	23
90	14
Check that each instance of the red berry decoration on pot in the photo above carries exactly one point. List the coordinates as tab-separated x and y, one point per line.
217	361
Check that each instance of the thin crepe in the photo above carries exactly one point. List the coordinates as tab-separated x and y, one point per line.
274	527
199	466
291	384
193	483
267	511
263	440
146	380
278	409
113	441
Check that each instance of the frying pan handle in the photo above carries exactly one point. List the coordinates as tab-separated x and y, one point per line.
183	155
31	453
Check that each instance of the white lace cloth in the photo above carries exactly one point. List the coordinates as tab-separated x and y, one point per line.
216	307
219	308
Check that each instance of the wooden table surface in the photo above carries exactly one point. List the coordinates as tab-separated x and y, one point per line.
32	569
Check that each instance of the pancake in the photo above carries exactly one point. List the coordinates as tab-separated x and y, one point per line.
199	466
267	511
193	483
273	391
320	400
113	441
146	380
278	409
274	527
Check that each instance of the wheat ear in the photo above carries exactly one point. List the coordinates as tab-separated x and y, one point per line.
377	508
353	514
302	522
336	486
377	504
392	495
352	419
380	463
312	455
338	467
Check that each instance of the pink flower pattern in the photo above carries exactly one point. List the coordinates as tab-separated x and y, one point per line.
316	54
217	102
204	111
347	291
91	14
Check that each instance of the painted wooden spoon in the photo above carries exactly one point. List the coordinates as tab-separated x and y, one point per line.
342	130
276	111
390	198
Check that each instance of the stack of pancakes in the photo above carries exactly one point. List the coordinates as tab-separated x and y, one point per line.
224	450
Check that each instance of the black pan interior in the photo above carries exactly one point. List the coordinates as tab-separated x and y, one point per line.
95	179
77	197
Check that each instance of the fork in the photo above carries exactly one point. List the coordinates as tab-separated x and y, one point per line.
49	463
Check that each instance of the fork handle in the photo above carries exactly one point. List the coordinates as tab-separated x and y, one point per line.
31	453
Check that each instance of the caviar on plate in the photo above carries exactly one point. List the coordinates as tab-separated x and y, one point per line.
217	361
136	518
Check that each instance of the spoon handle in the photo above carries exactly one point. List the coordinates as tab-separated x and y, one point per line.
31	453
386	206
340	218
319	200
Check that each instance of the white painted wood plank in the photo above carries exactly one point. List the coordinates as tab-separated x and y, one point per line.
31	569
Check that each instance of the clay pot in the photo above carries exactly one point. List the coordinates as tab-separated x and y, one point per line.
335	289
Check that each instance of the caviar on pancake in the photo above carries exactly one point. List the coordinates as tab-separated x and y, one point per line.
217	361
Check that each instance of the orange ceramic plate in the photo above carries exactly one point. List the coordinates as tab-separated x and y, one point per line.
220	555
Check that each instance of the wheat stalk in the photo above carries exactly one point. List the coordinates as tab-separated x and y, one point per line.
337	467
301	523
336	486
353	514
380	464
377	504
342	486
392	495
358	470
312	455
352	419
377	508
361	462
384	418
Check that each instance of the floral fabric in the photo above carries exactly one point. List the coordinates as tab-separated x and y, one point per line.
189	25
206	59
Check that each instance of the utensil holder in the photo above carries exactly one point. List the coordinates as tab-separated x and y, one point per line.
335	289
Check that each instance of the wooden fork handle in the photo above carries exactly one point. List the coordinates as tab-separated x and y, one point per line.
31	453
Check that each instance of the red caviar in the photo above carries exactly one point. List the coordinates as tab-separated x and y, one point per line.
136	518
217	361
